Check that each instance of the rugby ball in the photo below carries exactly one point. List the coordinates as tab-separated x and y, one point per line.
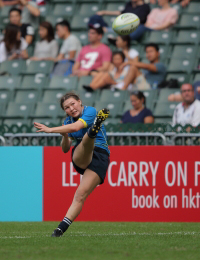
125	24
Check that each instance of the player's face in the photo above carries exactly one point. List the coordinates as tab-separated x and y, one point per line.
117	60
136	102
43	32
187	93
120	43
93	36
15	17
72	107
60	31
152	54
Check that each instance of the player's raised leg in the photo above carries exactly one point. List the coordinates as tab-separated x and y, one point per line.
83	153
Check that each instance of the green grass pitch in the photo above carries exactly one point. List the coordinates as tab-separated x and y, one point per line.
100	240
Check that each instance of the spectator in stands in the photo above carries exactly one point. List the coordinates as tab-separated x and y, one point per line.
118	77
188	111
137	7
183	3
123	42
177	96
71	45
148	75
15	2
139	113
27	31
94	57
47	47
158	19
30	11
13	46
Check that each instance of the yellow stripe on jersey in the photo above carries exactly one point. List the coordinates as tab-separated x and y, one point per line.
85	124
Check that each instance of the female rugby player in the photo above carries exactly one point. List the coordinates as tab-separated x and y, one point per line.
90	155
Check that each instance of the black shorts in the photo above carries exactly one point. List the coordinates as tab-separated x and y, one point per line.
99	163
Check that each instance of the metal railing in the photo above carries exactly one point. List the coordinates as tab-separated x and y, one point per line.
186	139
34	139
2	141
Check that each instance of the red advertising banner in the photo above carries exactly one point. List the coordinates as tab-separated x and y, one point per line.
143	183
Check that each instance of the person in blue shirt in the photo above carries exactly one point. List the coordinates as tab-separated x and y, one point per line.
139	113
90	155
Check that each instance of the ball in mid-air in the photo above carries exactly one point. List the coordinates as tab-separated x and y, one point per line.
125	24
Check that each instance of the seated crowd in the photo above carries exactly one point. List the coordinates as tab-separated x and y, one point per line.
120	69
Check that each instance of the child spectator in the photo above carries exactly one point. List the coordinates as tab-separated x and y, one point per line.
139	113
118	77
47	47
13	46
27	31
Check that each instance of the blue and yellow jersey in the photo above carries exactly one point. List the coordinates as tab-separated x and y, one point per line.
88	116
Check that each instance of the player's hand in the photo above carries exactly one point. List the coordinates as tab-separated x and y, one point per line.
42	128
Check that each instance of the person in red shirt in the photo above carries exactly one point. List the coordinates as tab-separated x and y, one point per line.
94	57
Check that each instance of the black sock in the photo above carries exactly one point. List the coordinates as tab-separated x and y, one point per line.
92	132
64	224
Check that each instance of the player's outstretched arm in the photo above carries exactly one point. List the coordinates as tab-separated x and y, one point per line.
60	129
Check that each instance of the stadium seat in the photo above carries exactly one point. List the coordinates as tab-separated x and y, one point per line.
50	110
19	122
127	106
178	8
187	37
159	37
181	77
14	67
184	52
2	110
114	107
179	65
82	36
105	38
44	10
189	21
54	19
80	22
115	6
197	77
30	51
3	22
5	96
164	109
193	8
88	8
88	98
66	10
66	83
14	110
52	96
163	120
37	81
4	12
10	82
164	93
115	96
151	97
84	81
42	67
109	19
26	96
